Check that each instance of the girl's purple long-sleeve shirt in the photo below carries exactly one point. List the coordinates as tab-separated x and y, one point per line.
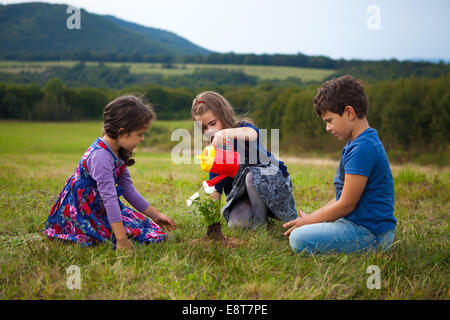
100	165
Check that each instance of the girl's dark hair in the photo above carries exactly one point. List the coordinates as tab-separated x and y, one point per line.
335	94
130	113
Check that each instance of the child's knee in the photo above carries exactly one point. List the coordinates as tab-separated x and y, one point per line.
239	219
234	223
246	223
298	240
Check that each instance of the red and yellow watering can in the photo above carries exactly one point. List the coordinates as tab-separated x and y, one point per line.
224	163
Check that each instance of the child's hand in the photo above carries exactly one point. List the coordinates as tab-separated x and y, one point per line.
294	224
124	244
220	138
160	219
209	134
165	222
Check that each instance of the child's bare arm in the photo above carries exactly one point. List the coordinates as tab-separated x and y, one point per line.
353	188
122	241
329	203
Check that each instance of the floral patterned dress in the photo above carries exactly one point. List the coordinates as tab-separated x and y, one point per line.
78	214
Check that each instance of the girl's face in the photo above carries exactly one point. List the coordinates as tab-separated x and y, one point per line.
129	141
210	123
337	125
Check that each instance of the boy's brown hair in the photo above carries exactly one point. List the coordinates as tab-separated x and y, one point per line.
335	94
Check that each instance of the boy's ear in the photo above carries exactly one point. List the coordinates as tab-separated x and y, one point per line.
350	112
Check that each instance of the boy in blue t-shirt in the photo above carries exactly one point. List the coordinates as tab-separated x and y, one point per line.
361	217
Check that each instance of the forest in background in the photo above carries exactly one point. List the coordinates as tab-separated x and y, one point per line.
79	72
411	114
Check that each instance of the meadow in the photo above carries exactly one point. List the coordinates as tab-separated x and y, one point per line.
37	158
262	72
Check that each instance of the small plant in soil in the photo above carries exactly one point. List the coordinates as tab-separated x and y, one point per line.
209	210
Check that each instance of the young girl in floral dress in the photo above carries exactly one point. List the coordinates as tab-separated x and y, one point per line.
88	210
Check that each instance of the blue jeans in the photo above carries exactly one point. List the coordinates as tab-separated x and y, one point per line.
339	236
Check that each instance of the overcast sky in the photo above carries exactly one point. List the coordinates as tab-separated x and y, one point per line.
374	29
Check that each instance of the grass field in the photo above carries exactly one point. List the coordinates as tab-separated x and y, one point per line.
37	158
263	72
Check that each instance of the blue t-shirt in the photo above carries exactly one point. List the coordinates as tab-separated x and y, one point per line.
254	153
366	156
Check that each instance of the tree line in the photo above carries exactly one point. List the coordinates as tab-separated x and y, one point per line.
103	76
291	60
57	102
411	115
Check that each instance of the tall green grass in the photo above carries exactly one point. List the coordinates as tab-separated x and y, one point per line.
37	158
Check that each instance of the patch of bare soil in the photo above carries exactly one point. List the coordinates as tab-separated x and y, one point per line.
214	236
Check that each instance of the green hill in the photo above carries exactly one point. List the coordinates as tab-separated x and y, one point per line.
167	39
38	30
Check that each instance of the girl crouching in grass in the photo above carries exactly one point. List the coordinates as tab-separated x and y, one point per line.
88	209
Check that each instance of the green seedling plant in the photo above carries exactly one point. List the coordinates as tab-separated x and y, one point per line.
209	210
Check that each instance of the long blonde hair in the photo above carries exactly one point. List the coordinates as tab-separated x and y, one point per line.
222	109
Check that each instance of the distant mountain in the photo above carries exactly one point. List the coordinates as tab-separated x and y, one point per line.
39	29
167	39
